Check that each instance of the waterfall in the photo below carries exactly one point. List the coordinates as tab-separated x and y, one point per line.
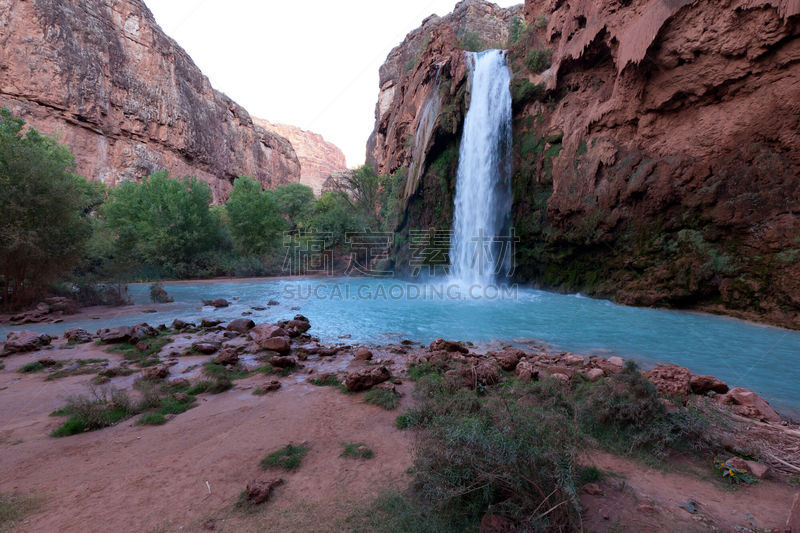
483	185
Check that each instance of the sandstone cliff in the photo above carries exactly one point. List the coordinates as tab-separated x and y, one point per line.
127	98
657	149
318	157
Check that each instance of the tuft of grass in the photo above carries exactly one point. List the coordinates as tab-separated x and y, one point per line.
14	507
416	371
328	381
219	372
288	458
589	474
102	409
394	511
32	367
383	398
152	419
538	60
356	450
154	345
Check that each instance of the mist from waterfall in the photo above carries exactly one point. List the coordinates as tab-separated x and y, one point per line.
478	253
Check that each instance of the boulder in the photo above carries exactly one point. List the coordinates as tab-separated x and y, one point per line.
25	341
206	348
218	303
595	374
447	346
227	356
527	372
366	378
270	386
78	336
115	335
155	373
563	378
363	354
181	397
758	470
141	332
241	325
210	322
486	372
748	403
509	358
572	359
258	492
265	331
671	380
179	324
180	383
273	303
704	384
282	362
276	344
616	361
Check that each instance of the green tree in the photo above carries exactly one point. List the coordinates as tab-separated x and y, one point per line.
256	224
333	213
45	210
162	222
295	201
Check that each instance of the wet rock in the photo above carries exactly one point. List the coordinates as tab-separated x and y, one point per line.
25	341
276	344
265	331
283	362
363	354
227	357
258	308
206	348
210	323
748	403
258	492
78	336
447	346
155	373
115	335
366	378
179	324
141	332
704	384
671	380
218	303
241	325
298	326
273	303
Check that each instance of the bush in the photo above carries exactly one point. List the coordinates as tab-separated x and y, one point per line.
472	42
101	409
287	458
538	60
158	295
152	419
356	450
256	224
382	398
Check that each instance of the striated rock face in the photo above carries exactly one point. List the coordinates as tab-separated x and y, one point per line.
408	76
127	98
656	150
318	157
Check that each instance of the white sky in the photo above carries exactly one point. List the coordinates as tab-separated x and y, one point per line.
311	63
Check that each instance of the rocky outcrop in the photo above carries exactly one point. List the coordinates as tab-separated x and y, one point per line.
318	157
126	98
656	154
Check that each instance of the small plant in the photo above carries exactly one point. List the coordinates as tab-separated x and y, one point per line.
471	41
356	450
383	398
417	370
329	380
32	367
101	409
732	475
538	60
408	420
541	21
287	458
152	419
14	507
589	474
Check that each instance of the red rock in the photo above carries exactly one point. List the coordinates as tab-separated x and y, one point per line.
78	336
486	372
154	373
670	380
271	386
705	384
363	354
265	331
115	335
593	489
509	358
206	348
616	361
447	346
753	405
227	357
366	378
283	362
241	325
258	492
276	344
25	341
595	374
526	372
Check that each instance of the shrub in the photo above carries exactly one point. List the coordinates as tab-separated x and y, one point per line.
101	409
538	60
356	450
32	367
472	42
14	507
158	294
383	398
151	419
287	458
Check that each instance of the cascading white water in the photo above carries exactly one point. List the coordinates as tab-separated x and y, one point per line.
483	186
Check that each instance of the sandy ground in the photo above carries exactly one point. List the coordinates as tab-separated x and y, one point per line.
187	474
